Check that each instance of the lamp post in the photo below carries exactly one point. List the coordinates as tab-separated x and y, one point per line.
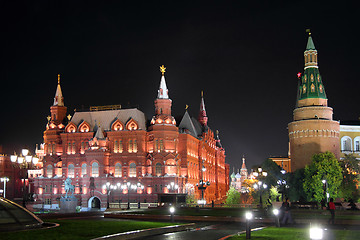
108	188
172	211
248	216
202	185
172	187
5	180
260	185
25	162
276	213
129	187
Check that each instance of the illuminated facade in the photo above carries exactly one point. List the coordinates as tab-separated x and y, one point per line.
110	144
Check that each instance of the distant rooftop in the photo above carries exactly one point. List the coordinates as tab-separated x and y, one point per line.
350	122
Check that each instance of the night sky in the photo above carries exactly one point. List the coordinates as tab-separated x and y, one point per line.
244	57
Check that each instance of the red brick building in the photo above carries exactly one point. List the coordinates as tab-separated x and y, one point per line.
115	145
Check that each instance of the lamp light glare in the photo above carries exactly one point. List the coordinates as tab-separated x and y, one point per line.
316	233
248	215
172	210
25	152
276	212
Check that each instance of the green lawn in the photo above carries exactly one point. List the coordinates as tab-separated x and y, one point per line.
81	229
273	233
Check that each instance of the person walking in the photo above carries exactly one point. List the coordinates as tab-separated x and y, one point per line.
285	207
332	211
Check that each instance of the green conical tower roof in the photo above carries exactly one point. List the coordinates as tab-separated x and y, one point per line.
311	85
310	44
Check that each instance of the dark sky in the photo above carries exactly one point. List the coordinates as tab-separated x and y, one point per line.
244	57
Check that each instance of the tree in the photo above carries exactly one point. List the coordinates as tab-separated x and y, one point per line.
350	170
324	166
232	197
296	187
273	172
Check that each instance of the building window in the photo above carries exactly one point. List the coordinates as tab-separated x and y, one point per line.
158	169
82	150
73	148
118	170
161	145
83	169
69	148
49	171
346	143
95	169
132	170
116	146
156	145
71	171
135	146
312	87
48	201
53	149
130	146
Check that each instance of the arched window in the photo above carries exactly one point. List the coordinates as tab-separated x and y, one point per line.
132	170
118	170
83	169
346	143
95	169
130	146
49	171
116	146
357	144
135	146
158	169
71	171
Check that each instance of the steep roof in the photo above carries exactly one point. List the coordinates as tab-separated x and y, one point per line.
106	118
187	124
310	44
58	99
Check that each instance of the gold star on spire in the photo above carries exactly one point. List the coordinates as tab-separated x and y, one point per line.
59	78
187	106
308	31
162	69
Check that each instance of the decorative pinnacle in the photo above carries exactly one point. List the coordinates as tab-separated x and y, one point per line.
59	78
202	93
186	107
162	69
308	31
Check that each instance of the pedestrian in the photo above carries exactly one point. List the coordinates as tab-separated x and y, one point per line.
285	207
331	208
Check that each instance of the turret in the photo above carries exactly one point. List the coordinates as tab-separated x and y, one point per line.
311	88
203	119
58	110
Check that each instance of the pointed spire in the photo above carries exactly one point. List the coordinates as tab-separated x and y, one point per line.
310	44
311	89
59	99
202	114
243	163
163	92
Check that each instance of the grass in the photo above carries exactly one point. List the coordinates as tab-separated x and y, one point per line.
81	229
273	233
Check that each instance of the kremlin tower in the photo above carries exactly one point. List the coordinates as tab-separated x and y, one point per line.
313	129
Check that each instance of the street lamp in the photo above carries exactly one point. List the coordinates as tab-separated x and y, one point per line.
108	188
248	216
5	180
172	187
172	211
202	185
25	162
276	213
260	185
141	187
326	194
316	233
260	174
